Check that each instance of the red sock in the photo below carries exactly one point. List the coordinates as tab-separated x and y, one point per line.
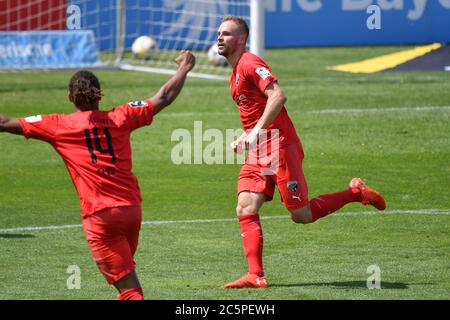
252	240
325	204
131	294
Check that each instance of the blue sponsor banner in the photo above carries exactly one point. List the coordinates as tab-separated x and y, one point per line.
179	24
48	49
291	23
176	24
288	23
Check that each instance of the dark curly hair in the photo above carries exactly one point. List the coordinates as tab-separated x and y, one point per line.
85	89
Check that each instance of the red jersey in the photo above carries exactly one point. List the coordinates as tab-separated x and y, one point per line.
249	79
95	146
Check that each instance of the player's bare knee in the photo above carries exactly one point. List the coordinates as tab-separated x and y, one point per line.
242	210
239	210
249	202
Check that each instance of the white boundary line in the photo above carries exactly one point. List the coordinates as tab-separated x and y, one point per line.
370	110
129	67
159	222
320	111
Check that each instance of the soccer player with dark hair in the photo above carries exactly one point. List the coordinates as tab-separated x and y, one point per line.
261	100
95	147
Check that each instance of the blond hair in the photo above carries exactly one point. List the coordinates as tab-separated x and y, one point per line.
242	24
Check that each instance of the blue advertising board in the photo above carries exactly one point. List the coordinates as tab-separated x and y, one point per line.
288	23
47	49
291	23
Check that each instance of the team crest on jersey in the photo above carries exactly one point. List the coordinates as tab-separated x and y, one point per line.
237	79
33	119
292	186
263	73
137	104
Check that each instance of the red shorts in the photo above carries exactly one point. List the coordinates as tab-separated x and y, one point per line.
288	178
113	234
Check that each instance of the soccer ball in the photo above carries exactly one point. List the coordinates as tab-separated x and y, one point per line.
215	58
144	47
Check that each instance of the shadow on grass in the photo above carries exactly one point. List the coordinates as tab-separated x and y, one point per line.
345	285
16	236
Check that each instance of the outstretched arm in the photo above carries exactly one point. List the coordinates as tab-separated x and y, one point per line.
170	90
10	125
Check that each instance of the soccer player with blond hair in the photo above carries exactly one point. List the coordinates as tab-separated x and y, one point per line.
261	103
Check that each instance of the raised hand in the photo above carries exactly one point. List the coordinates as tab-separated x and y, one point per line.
185	59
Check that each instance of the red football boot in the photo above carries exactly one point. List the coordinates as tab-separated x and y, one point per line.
248	281
368	195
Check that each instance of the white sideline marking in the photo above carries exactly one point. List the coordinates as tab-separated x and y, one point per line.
320	111
369	110
159	222
130	67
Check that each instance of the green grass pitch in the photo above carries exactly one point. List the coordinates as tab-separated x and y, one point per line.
392	129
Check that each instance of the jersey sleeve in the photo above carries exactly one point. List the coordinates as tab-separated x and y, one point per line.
41	127
259	73
137	114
